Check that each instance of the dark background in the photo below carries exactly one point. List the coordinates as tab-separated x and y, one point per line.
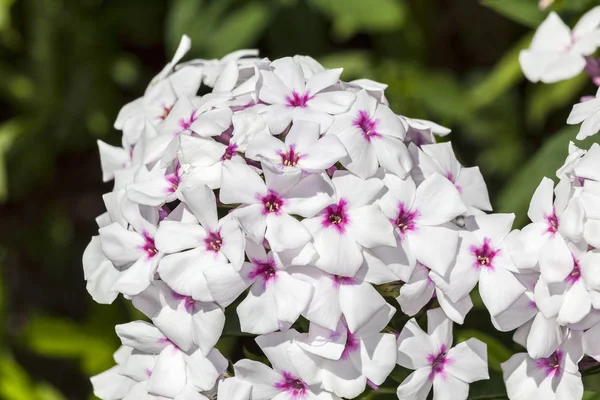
67	66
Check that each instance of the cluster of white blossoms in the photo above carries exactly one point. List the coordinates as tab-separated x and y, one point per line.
296	199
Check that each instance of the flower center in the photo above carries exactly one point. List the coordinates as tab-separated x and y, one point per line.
292	385
352	345
188	303
185	124
336	216
550	365
575	273
149	246
367	125
230	151
291	158
272	202
552	221
298	100
342	280
165	112
438	362
484	255
405	221
214	241
265	270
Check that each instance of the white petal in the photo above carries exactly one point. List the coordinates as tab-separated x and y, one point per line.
576	304
291	297
359	303
445	242
499	288
416	386
225	283
201	200
449	388
469	361
285	232
414	346
556	261
173	236
545	336
392	155
141	336
369	227
169	375
378	357
439	327
339	254
258	311
120	245
357	192
240	184
262	378
438	201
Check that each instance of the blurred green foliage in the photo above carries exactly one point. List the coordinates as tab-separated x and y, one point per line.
67	66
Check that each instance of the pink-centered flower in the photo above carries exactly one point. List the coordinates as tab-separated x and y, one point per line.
343	230
448	370
275	300
301	149
554	377
344	362
417	214
372	135
290	96
483	257
267	207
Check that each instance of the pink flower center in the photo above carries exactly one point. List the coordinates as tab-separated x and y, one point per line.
165	112
292	385
575	273
290	158
336	216
451	178
149	246
550	365
214	241
186	123
438	362
272	203
484	255
298	100
230	151
173	179
352	345
405	221
367	124
552	221
339	280
188	303
265	270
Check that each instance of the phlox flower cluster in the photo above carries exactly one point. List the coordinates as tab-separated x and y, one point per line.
290	201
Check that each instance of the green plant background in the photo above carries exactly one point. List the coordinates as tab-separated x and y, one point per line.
67	66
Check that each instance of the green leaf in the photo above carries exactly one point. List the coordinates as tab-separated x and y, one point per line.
525	12
62	338
16	384
506	73
497	352
544	99
592	382
352	16
8	132
493	388
516	194
240	29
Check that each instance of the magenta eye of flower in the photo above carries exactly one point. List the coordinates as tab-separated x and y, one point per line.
336	216
552	221
485	254
575	273
230	151
291	158
298	100
149	246
551	365
367	125
290	384
265	270
405	221
272	202
213	241
438	362
165	112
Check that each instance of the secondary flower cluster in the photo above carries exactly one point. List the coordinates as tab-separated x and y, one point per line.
292	196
